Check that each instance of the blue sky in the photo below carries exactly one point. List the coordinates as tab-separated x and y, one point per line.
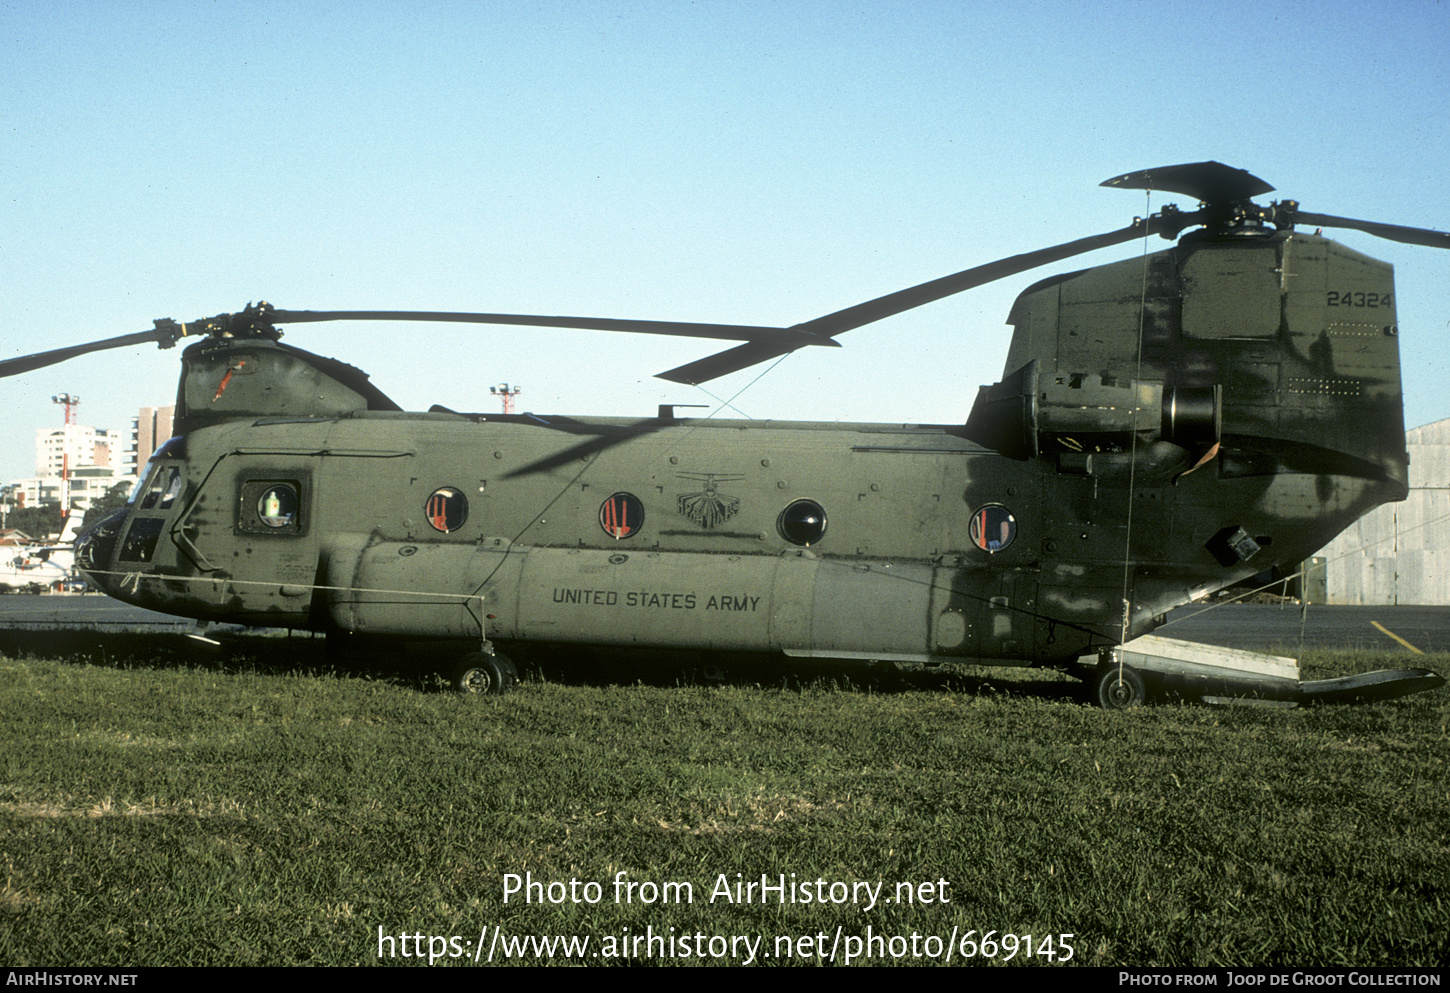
743	162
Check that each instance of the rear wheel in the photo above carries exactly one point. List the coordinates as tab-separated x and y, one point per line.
479	672
1118	687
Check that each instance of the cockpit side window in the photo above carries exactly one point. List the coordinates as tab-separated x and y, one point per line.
153	499
173	489
165	487
156	480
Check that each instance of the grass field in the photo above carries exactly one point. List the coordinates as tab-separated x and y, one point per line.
157	809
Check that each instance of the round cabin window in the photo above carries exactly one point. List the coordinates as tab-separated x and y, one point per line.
447	509
993	527
621	515
802	523
277	506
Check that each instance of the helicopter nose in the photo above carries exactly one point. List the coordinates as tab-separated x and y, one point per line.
96	547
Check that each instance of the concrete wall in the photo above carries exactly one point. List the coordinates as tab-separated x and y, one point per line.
1400	553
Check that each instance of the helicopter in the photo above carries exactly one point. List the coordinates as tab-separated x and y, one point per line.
36	568
1165	427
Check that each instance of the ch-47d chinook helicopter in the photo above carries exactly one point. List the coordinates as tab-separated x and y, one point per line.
1165	426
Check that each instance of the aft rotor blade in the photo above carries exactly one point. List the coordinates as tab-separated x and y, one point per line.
28	363
787	338
1207	182
744	356
1393	232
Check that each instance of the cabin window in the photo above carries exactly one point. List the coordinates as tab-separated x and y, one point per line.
622	515
277	506
447	509
270	505
993	527
802	523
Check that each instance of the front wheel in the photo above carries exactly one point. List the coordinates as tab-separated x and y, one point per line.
1118	687
479	672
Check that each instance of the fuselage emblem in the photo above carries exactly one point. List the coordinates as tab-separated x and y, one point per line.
709	508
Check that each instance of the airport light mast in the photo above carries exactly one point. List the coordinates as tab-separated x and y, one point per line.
508	393
70	403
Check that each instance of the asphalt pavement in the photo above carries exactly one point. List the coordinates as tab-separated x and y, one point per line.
1282	628
82	612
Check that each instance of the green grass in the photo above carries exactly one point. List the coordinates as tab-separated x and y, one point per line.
182	813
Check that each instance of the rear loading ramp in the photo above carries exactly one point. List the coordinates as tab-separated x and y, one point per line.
1122	676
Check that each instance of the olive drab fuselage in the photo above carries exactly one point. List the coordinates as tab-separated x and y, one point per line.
1165	426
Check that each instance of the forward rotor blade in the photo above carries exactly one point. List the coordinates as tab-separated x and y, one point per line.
787	338
28	363
1393	232
744	356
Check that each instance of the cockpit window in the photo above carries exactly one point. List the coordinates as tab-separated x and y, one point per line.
164	488
173	488
136	490
140	543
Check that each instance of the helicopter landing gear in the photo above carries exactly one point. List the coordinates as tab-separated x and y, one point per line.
479	672
1118	687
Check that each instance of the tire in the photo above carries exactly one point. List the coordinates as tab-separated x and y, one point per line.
484	674
1118	687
